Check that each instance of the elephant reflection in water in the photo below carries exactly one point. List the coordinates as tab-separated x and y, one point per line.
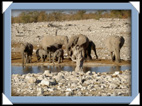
27	69
42	68
86	69
115	68
56	68
51	68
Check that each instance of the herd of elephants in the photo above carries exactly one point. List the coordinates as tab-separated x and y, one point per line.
77	45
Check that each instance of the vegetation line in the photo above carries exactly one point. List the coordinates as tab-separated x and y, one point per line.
43	16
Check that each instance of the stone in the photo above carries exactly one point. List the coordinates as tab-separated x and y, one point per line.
62	81
68	89
69	93
112	86
39	92
30	79
59	77
47	73
44	82
53	82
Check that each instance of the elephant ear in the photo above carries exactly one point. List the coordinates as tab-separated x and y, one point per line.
82	40
122	40
75	41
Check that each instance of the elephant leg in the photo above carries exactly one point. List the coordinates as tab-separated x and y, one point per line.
26	58
23	56
112	56
59	59
83	53
45	57
88	52
117	55
38	58
30	58
42	58
94	48
53	59
50	57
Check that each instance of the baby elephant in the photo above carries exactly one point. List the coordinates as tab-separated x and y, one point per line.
40	53
52	48
114	44
59	54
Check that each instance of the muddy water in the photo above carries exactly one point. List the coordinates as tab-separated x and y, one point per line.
41	69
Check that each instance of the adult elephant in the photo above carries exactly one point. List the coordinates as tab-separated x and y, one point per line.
26	51
49	40
114	44
79	40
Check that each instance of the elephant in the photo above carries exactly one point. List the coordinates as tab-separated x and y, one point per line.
79	40
91	46
49	40
114	44
26	51
59	54
41	53
52	48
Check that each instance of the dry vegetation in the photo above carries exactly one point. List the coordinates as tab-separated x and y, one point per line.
42	16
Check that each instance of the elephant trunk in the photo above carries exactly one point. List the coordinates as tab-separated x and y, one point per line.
67	50
117	55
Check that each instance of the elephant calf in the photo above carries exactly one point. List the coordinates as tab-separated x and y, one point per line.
26	51
40	53
52	49
114	44
59	54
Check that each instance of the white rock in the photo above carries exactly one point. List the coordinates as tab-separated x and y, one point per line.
30	79
68	93
68	89
116	73
47	73
44	82
39	92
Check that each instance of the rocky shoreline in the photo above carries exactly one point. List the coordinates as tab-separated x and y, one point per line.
73	83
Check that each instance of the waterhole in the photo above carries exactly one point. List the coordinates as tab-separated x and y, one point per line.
41	69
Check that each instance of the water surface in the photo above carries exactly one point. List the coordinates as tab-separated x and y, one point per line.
41	69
